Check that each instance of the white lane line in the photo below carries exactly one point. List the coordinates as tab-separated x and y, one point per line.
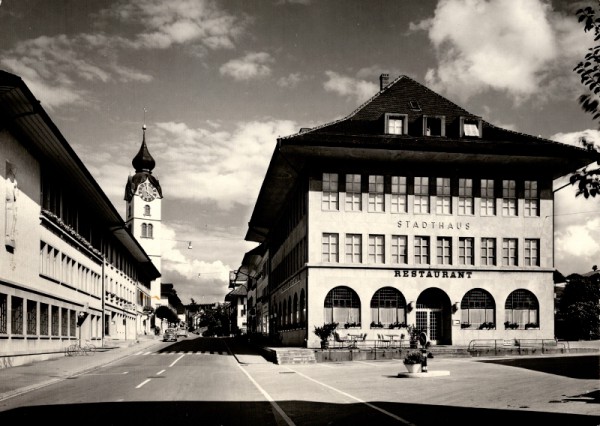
268	397
175	362
160	372
142	384
387	413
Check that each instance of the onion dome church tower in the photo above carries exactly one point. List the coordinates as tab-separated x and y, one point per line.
143	195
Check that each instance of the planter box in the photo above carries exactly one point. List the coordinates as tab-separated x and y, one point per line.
413	368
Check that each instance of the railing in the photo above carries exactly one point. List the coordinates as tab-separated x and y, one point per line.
511	345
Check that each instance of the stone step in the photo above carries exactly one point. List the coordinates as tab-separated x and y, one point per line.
295	356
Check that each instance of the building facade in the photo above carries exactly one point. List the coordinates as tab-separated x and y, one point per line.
70	270
411	211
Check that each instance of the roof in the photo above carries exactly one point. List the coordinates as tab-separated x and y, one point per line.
359	138
23	115
236	293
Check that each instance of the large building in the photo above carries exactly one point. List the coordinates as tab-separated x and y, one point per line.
411	211
70	269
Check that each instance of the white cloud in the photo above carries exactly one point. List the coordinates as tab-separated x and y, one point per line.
350	87
253	65
290	81
574	138
183	22
502	45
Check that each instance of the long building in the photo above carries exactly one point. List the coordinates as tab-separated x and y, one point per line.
70	268
411	211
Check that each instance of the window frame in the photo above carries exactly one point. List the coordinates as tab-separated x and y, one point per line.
442	125
389	116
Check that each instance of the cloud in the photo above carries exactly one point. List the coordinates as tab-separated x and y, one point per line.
578	246
350	87
183	22
290	81
253	65
574	138
221	167
502	45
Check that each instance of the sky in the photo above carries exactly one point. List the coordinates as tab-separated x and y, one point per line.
217	82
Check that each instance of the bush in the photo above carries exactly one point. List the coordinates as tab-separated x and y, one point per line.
326	330
414	357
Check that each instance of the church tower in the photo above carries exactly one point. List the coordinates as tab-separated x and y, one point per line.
143	195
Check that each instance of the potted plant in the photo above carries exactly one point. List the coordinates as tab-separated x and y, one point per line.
325	332
413	360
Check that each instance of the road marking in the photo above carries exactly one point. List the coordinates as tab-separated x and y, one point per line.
160	372
268	397
175	362
387	413
142	384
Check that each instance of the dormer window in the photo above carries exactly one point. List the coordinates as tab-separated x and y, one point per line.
470	127
434	125
396	124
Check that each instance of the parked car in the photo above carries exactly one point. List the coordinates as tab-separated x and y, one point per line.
182	332
170	335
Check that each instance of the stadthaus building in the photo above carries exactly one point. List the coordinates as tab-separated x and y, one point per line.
410	211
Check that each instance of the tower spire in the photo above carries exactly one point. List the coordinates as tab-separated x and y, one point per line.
143	161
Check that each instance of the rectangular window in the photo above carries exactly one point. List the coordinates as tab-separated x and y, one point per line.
532	201
16	315
3	314
466	251
330	248
509	198
31	317
44	317
488	200
330	196
434	126
54	321
376	249
64	322
421	250
488	251
376	197
353	193
470	127
509	252
399	249
353	248
465	197
421	202
72	323
396	124
443	199
532	252
444	251
399	194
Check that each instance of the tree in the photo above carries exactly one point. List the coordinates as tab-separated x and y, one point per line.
164	313
588	179
580	306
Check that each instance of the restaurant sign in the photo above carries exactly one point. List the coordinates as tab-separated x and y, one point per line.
439	273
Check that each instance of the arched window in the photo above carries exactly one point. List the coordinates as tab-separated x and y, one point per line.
388	306
522	308
146	210
290	318
150	233
302	306
295	309
280	315
144	230
478	307
342	305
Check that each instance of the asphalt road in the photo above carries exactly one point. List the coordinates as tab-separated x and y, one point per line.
220	382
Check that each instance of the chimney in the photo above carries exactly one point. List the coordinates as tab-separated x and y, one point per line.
384	79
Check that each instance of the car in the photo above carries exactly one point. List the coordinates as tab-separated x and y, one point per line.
182	332
170	335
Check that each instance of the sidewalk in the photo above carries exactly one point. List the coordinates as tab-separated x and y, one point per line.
24	378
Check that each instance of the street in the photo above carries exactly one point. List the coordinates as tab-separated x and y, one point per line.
201	380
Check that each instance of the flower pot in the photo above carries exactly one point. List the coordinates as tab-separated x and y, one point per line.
324	344
413	368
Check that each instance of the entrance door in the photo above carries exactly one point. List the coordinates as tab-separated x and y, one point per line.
430	321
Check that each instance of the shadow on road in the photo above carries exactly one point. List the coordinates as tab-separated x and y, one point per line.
300	412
